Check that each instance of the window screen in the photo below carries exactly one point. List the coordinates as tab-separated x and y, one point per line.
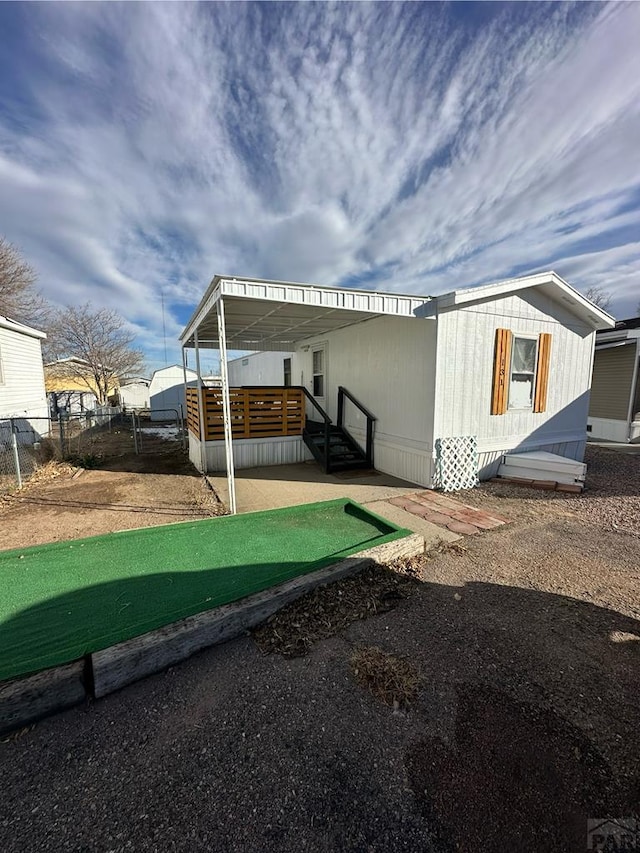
523	373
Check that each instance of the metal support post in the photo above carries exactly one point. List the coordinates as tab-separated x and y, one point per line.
16	456
226	406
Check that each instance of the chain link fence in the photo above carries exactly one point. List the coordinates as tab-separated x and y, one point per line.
153	429
28	443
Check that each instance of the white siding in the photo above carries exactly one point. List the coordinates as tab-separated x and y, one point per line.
166	391
466	342
388	364
260	368
135	395
22	392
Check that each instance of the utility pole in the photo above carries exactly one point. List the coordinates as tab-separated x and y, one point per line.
164	327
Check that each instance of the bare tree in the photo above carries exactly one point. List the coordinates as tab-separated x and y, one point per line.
600	297
19	298
92	347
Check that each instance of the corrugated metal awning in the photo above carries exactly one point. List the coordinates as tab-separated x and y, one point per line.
270	315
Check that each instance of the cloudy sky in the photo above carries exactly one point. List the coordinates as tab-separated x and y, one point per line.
410	147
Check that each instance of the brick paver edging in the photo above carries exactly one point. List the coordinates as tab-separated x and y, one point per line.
448	513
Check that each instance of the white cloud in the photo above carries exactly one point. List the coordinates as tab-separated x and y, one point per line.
324	143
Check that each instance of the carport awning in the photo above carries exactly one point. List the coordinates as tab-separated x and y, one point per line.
269	315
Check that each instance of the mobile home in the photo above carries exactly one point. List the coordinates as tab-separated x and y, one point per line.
506	366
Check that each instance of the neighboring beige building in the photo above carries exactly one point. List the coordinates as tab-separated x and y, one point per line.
614	407
68	379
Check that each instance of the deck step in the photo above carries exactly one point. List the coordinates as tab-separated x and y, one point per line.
344	453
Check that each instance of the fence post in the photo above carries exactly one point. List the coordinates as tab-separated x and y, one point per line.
139	435
183	432
16	456
61	431
133	428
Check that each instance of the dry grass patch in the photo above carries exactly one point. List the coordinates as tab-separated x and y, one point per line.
410	567
327	610
42	474
391	679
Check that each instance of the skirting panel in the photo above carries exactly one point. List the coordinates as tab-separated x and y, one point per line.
609	429
398	460
250	452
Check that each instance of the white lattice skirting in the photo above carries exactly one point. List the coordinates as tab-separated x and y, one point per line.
456	463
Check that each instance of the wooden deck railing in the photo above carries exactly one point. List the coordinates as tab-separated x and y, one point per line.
257	412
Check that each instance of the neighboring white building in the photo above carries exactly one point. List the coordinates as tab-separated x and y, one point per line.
508	364
134	393
614	407
22	392
262	368
72	402
166	391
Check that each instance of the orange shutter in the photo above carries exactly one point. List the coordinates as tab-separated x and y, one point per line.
502	361
542	373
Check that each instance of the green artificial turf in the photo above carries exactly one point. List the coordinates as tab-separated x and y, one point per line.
62	601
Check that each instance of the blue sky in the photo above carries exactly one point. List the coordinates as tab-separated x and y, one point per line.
410	147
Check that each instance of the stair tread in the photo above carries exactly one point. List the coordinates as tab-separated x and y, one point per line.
343	453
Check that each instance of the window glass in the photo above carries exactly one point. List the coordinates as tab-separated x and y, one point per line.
287	372
523	373
524	356
318	373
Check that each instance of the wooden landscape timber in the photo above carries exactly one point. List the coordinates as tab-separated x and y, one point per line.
26	700
127	662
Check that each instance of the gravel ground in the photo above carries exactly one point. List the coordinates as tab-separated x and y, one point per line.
611	498
527	643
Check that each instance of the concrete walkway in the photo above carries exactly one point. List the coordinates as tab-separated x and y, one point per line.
291	485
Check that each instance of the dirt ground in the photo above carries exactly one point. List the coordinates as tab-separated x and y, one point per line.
526	645
125	490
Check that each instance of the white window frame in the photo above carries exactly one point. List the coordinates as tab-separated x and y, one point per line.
515	336
1	369
323	349
287	373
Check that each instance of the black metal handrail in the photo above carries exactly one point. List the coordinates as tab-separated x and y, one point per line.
327	427
371	419
343	392
312	399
